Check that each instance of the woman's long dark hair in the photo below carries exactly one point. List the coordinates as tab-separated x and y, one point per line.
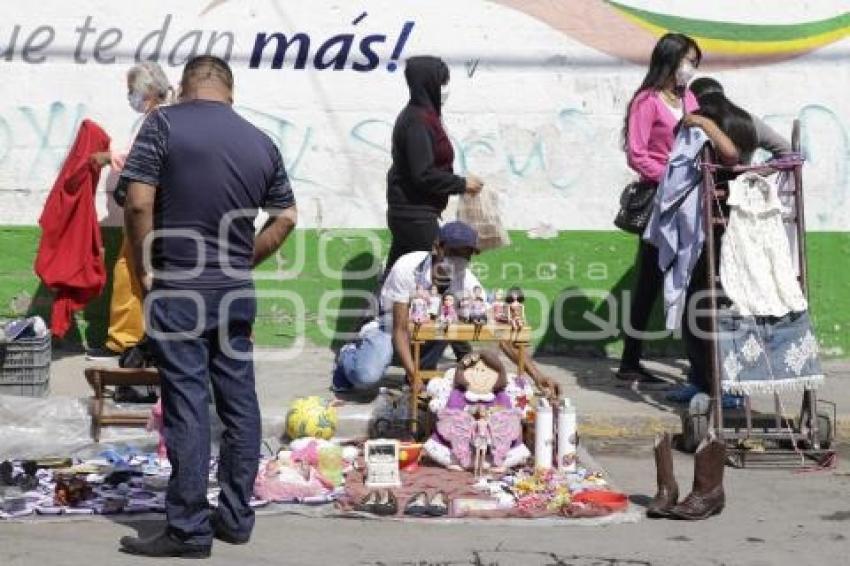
665	60
732	120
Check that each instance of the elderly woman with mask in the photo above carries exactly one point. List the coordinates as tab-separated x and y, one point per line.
147	88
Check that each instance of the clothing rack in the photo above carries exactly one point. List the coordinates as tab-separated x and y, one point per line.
756	438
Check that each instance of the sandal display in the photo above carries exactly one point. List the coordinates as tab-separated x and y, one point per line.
368	503
439	505
387	503
417	505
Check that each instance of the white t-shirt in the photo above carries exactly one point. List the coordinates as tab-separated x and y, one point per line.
408	272
678	112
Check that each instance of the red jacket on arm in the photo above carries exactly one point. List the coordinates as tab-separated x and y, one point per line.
70	258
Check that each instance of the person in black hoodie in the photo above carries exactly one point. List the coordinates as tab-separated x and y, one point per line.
421	179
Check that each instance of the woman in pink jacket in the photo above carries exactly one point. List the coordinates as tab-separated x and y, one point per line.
662	102
653	113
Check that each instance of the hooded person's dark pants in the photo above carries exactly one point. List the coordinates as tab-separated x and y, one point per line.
216	347
410	235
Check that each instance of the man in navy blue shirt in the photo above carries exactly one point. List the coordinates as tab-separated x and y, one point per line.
198	173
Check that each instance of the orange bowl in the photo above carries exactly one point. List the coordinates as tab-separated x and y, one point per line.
409	455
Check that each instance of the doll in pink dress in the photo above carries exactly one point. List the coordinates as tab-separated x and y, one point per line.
156	423
482	440
500	311
419	307
448	314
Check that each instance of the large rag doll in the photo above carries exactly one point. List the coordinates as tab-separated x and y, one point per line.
478	393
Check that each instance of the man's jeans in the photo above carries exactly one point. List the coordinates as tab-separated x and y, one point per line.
210	339
362	364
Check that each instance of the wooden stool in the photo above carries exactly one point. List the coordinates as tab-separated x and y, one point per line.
101	377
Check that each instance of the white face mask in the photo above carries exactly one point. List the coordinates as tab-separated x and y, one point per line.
137	101
444	94
684	73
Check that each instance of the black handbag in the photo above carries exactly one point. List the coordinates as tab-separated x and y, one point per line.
635	207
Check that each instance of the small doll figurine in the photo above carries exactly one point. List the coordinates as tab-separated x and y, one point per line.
464	306
478	312
500	311
481	440
434	303
156	423
448	314
516	308
419	307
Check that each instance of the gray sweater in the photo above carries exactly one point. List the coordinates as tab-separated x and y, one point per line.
768	139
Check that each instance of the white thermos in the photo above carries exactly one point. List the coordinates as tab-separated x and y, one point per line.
567	429
543	435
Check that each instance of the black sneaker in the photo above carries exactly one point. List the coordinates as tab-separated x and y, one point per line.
163	545
640	378
223	534
101	354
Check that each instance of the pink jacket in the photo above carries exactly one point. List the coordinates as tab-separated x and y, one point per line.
651	126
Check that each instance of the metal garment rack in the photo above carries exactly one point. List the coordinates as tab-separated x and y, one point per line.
757	439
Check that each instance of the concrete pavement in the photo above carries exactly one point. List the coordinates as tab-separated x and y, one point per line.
772	518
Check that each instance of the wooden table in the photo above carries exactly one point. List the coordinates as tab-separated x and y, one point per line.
430	332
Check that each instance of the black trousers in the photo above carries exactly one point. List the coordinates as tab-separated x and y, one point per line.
648	286
697	348
410	235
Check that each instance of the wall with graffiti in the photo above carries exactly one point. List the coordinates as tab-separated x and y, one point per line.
538	90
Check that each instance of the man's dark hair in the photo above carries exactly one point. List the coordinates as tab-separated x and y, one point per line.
207	67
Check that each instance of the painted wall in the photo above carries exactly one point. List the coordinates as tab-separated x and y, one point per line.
538	90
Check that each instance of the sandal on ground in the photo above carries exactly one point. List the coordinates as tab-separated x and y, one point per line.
368	504
387	503
417	505
439	505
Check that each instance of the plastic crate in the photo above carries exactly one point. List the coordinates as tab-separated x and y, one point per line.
25	367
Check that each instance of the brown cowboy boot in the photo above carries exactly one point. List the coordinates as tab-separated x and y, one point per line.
668	490
707	497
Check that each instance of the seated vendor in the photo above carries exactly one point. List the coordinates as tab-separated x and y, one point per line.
362	364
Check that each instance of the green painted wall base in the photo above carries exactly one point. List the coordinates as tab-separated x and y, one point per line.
567	279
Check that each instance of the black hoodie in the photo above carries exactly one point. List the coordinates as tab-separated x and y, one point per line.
421	178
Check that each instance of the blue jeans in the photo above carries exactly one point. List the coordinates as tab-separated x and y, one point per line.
187	364
363	363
